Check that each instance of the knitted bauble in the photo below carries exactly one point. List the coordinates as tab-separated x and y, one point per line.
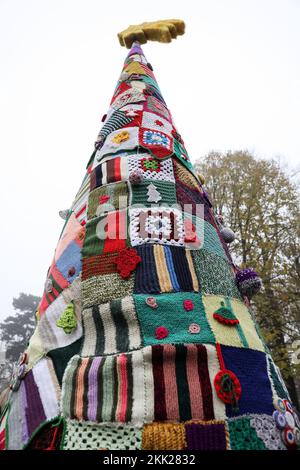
64	214
136	177
248	282
227	234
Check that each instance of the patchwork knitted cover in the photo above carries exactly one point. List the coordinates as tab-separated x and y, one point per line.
143	340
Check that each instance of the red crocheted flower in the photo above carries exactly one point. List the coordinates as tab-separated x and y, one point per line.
228	386
161	332
126	261
188	305
103	199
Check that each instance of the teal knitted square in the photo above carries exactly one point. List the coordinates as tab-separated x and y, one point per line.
214	274
173	318
149	193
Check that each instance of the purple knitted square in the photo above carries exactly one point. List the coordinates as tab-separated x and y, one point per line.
205	436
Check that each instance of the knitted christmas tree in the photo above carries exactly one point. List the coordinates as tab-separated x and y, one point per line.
145	338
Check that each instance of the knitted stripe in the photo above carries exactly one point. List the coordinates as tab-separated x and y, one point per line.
192	270
111	171
160	413
108	387
109	326
117	120
182	270
163	436
122	333
92	389
162	269
170	267
129	313
195	391
182	384
100	394
206	388
123	388
98	265
86	390
80	388
128	416
172	408
48	387
146	278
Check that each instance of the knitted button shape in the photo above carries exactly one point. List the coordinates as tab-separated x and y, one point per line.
151	302
279	419
194	328
48	286
161	332
71	271
279	404
188	305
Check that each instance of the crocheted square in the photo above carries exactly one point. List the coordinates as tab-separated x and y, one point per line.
161	225
155	105
163	436
120	140
151	193
206	436
111	328
110	171
79	206
106	234
102	289
51	335
157	142
155	122
113	388
243	436
267	431
89	436
250	367
215	274
181	315
31	405
107	198
117	120
241	335
150	167
164	269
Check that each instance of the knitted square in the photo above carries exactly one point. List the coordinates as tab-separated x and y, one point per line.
163	436
190	199
31	405
81	435
150	167
69	263
54	285
184	176
79	206
164	269
107	198
117	120
111	171
155	105
206	436
150	193
215	274
111	328
161	225
155	122
106	234
98	265
72	231
250	367
132	95
181	315
241	335
126	138
181	154
157	142
102	289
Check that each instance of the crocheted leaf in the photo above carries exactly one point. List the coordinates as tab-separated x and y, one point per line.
161	31
68	320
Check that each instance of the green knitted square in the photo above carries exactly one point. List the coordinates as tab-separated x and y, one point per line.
108	198
214	274
102	289
181	316
165	192
243	436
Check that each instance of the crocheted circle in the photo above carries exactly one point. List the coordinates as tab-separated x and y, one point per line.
279	404
194	328
227	386
151	302
161	332
288	437
279	419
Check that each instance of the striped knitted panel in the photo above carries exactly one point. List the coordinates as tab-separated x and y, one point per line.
104	234
141	196
163	436
165	269
214	274
59	283
98	265
102	289
242	335
117	120
35	402
153	104
111	171
206	436
151	168
134	387
81	435
190	199
111	328
79	206
181	314
107	198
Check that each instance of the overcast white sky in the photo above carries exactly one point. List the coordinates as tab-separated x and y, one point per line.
232	82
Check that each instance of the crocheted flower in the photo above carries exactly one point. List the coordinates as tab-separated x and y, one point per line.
150	164
126	261
161	332
228	387
103	199
188	305
121	137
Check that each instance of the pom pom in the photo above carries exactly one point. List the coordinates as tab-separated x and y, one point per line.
227	234
248	282
136	177
64	214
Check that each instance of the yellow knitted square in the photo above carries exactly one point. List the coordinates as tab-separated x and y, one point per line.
229	335
163	436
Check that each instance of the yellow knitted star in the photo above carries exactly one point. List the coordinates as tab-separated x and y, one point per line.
161	31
